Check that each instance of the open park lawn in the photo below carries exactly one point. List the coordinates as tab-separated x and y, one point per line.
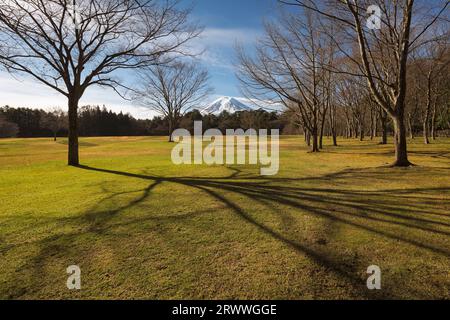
141	227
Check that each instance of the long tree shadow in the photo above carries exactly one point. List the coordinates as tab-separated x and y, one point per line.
344	204
368	211
393	214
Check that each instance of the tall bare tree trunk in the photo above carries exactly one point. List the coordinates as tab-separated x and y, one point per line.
410	128
321	139
375	125
426	118
334	139
315	141
349	131
361	131
73	157
401	152
383	127
372	124
333	129
322	126
173	123
307	137
170	129
433	121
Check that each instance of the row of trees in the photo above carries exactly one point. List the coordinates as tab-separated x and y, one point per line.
7	128
26	122
93	121
360	121
326	63
96	121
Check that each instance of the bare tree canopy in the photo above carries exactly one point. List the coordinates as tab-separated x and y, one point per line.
54	121
173	89
290	68
382	54
70	45
429	70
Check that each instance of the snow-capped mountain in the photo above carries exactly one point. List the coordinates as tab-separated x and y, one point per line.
228	104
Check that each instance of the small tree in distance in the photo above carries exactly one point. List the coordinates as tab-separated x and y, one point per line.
172	90
55	121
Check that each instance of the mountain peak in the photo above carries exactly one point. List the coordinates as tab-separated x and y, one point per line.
229	104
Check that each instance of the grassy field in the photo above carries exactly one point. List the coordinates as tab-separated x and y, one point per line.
141	227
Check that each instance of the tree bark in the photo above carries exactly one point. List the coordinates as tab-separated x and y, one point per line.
410	128
361	131
315	141
401	152
426	119
73	157
372	123
426	140
384	127
332	118
321	136
322	127
375	126
170	129
307	138
333	131
433	122
334	139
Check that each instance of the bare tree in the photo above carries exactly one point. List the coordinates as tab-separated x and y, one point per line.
354	98
430	69
413	97
327	61
71	45
441	110
288	69
333	121
55	121
383	54
172	90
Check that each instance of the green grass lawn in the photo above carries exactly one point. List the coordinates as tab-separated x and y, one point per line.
140	227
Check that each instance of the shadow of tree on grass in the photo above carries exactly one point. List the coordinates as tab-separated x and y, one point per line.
393	213
412	217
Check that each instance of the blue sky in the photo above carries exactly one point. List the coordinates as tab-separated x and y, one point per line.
224	22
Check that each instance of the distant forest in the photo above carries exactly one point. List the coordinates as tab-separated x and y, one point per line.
98	121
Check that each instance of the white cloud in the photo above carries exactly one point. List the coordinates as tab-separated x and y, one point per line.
217	45
227	37
29	93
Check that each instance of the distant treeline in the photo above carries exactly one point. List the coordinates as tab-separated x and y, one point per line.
97	121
